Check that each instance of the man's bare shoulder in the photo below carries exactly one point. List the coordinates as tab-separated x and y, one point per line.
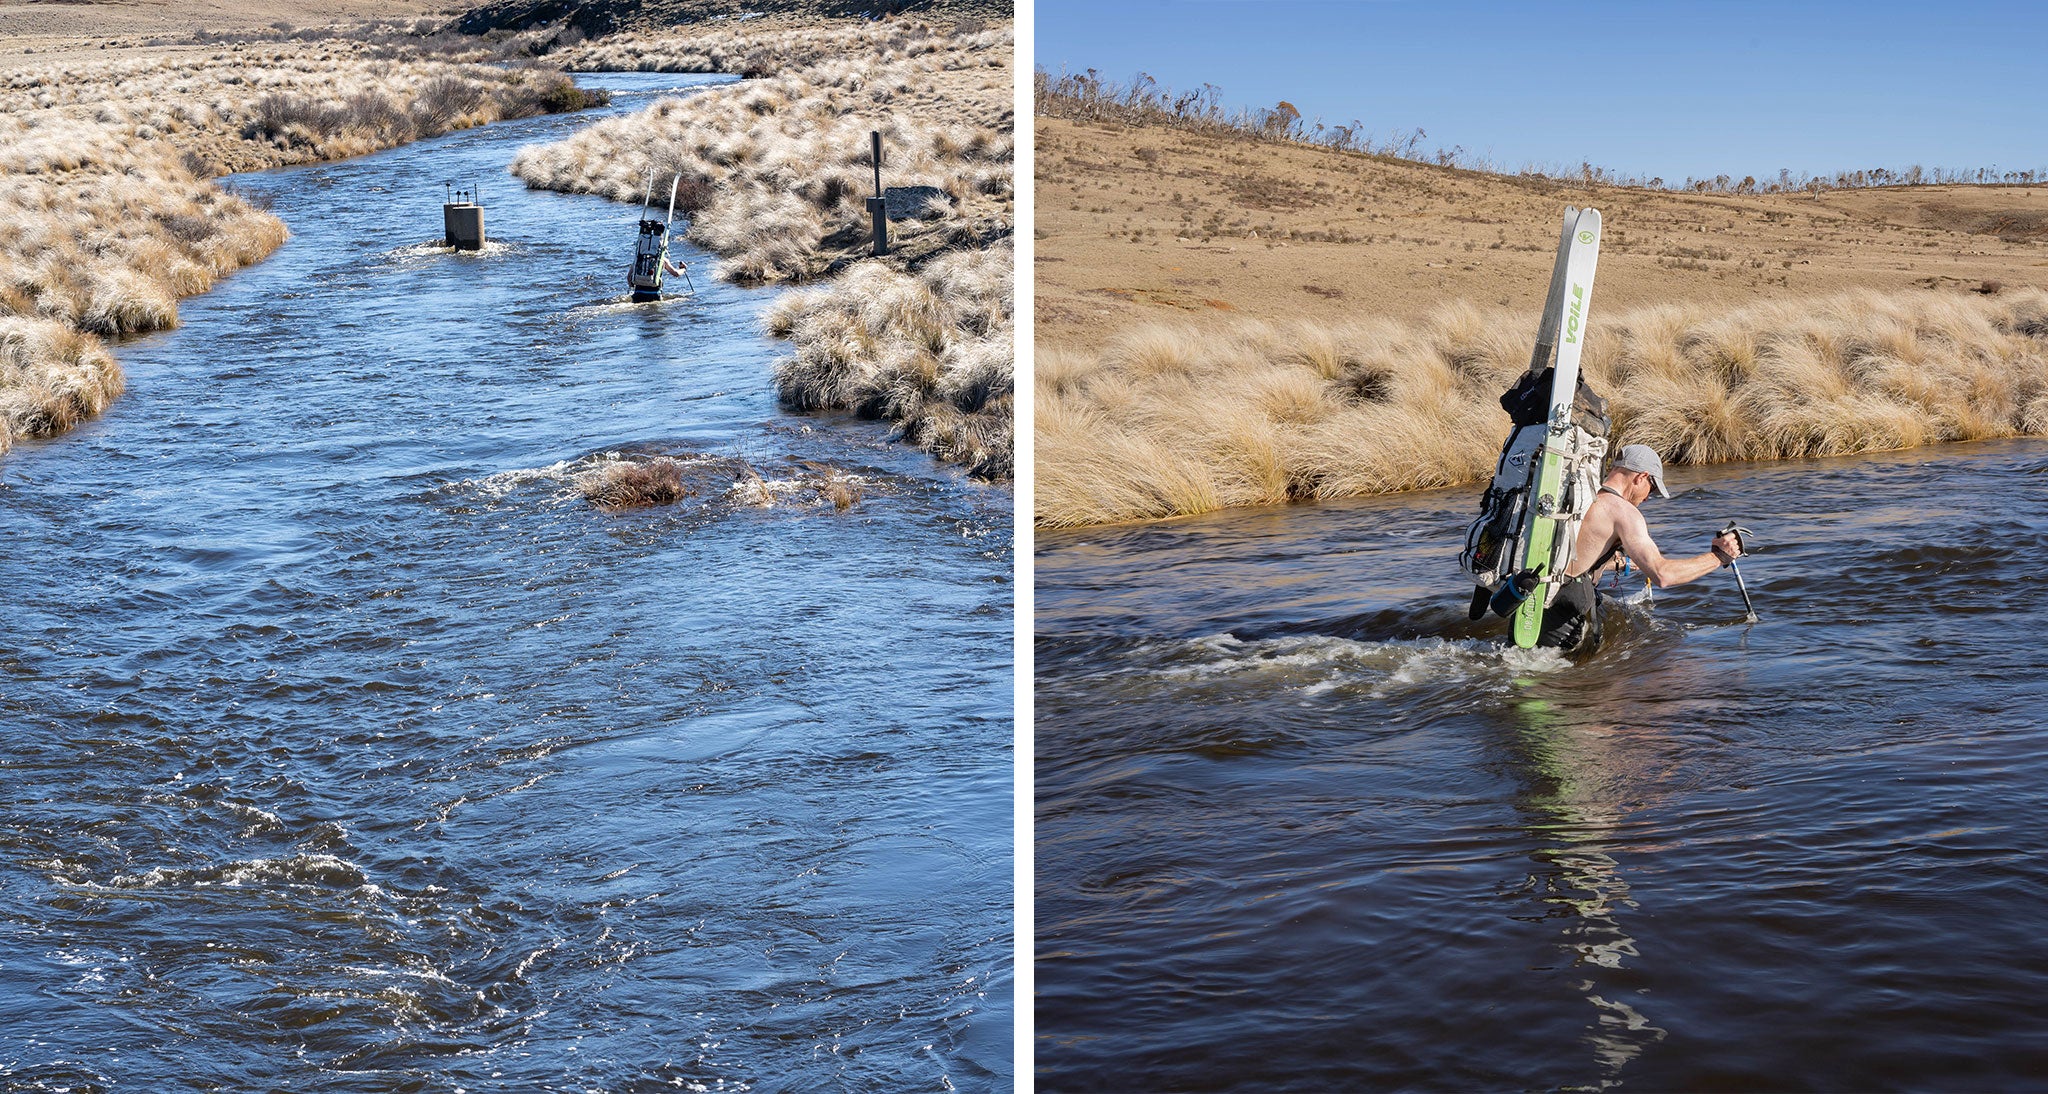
1614	509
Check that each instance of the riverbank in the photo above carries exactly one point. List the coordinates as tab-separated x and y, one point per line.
775	172
106	188
1165	422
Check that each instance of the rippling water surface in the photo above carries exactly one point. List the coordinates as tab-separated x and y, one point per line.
348	747
1302	827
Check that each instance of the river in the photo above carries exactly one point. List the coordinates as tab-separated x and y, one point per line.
1301	826
350	748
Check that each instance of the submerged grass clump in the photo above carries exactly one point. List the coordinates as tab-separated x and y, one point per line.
625	485
1168	420
108	216
619	484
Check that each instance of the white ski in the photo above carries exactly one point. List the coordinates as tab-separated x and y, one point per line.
1547	516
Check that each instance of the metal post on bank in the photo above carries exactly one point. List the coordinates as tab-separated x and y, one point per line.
878	208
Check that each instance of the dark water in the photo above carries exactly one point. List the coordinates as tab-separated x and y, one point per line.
1301	827
347	747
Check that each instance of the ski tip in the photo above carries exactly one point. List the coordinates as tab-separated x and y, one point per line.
1587	228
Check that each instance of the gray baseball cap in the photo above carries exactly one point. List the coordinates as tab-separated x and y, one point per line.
1641	457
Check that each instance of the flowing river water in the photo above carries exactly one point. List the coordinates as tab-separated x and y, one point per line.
1301	826
348	747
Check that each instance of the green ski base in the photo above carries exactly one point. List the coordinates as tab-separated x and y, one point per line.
1542	536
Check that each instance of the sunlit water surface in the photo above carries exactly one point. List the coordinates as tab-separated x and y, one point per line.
348	747
1303	827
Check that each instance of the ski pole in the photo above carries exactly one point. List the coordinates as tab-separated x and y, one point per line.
1738	531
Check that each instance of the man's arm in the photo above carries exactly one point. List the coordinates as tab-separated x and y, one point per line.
1666	572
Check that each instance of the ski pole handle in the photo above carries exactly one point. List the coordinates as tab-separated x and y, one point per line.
1738	531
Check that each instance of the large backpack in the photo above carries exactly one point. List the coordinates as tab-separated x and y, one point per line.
1493	542
647	255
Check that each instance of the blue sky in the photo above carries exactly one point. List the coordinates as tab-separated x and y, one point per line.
1652	88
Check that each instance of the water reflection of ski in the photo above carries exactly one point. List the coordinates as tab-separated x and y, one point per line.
1584	785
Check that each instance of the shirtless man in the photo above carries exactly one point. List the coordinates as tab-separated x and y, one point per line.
1614	526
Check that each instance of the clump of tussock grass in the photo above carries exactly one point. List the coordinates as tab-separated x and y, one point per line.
623	485
107	213
51	378
841	490
1168	421
619	483
931	351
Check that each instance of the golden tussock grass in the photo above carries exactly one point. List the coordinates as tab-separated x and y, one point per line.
932	351
1167	421
108	216
842	490
51	378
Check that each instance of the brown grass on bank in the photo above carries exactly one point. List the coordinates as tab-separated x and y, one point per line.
778	166
933	351
767	47
1166	422
107	214
51	378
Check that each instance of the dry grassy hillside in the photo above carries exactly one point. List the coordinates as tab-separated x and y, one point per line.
1140	224
36	32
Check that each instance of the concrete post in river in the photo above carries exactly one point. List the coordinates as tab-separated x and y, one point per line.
463	220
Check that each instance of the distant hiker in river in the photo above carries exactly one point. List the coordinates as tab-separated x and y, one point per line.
1614	534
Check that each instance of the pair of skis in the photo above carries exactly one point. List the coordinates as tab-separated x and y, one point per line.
1563	332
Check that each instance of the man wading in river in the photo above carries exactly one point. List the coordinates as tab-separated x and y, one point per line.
1614	526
